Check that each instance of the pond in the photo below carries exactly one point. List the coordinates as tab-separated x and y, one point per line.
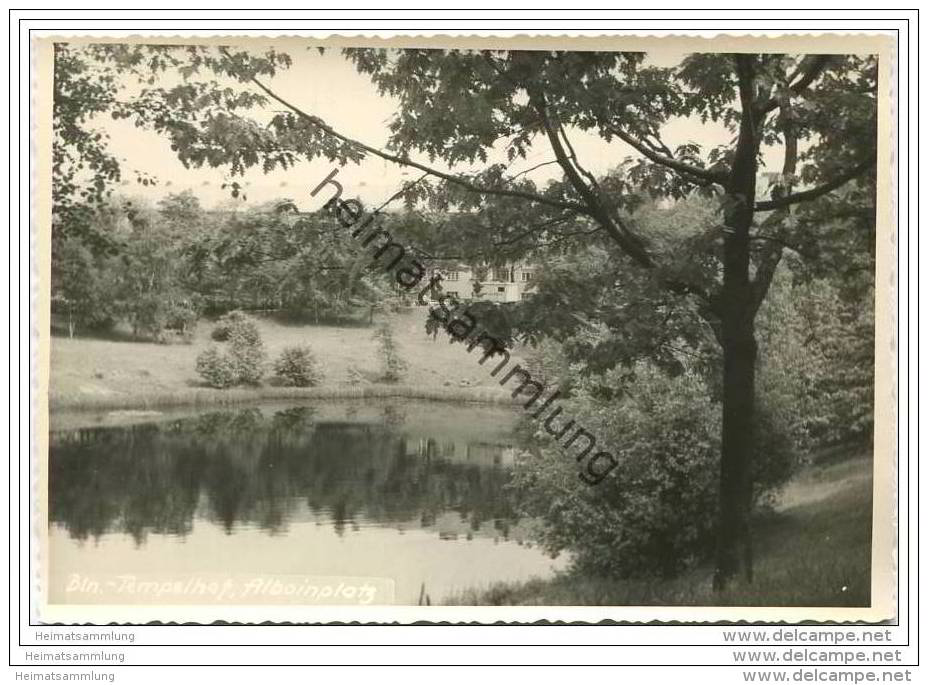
408	498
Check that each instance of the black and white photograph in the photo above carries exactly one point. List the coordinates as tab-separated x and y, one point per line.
425	327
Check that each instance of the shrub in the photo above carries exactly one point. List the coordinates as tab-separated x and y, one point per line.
393	365
816	362
216	368
241	364
247	353
656	511
296	366
226	323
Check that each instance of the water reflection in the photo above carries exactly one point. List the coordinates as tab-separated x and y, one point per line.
263	469
412	496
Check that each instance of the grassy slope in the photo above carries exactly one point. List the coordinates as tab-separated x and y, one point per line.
813	550
115	373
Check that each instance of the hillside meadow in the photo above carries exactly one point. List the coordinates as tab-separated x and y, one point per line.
117	371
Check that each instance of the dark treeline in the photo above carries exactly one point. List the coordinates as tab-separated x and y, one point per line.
157	269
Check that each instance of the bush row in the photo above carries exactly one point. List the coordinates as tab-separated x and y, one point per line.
242	361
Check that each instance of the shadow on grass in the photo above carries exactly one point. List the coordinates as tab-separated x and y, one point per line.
114	334
305	318
118	333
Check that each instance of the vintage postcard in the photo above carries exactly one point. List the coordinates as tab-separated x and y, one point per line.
465	329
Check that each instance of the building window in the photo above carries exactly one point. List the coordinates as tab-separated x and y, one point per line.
501	275
527	275
500	289
452	293
452	275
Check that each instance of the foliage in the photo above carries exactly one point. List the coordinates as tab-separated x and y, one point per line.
148	270
242	362
148	315
605	314
216	368
243	329
392	364
297	366
655	513
156	316
549	365
246	350
817	364
815	554
83	170
81	287
168	262
181	318
279	260
223	328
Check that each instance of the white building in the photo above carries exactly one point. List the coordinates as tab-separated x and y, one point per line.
492	284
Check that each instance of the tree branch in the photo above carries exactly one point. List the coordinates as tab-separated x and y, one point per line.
592	207
595	208
561	237
783	243
772	252
535	229
764	273
702	174
816	65
531	169
658	146
813	193
573	157
405	161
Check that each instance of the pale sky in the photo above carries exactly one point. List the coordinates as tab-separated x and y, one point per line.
328	86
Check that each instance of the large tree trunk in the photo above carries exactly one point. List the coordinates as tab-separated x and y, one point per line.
739	356
739	349
736	478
